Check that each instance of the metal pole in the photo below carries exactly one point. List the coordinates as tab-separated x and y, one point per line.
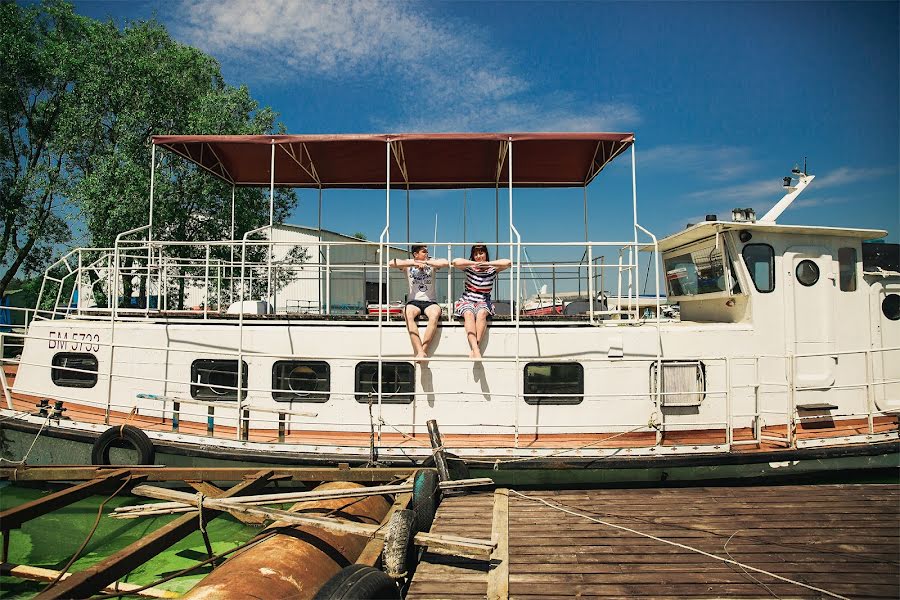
271	223
152	182
319	249
633	256
231	246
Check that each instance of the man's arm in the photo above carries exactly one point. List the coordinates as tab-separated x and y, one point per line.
437	263
401	263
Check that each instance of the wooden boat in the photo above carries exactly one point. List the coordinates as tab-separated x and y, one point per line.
785	358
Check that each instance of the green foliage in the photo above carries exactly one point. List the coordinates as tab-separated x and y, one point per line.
80	100
360	235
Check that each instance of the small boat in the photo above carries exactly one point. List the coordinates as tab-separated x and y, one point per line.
783	355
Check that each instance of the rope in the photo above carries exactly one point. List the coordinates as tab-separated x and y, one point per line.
33	442
651	423
678	545
127	420
90	534
200	512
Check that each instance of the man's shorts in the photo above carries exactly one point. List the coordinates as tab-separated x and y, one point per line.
421	304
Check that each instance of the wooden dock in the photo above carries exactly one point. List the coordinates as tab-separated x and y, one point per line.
838	540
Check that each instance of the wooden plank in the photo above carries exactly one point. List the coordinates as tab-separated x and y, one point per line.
208	489
87	582
454	545
498	576
371	554
14	517
41	574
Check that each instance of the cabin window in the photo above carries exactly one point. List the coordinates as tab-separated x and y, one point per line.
890	306
554	383
760	261
74	369
847	264
807	272
301	381
398	382
217	379
683	382
700	271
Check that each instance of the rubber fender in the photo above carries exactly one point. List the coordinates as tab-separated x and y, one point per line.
359	582
425	498
129	434
455	465
397	553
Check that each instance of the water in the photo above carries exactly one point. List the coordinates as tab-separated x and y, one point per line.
50	540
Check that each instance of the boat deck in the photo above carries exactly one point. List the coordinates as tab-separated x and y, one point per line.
843	540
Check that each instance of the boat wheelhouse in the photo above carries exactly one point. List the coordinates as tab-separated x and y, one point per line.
787	346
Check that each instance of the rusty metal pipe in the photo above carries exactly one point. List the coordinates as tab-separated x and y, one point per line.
298	560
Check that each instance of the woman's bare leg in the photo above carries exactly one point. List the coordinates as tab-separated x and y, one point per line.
480	327
471	335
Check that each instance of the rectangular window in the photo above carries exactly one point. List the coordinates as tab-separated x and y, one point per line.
74	369
847	263
683	382
700	271
398	382
760	261
301	380
554	383
217	379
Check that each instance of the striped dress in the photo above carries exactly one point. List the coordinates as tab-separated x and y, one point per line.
477	295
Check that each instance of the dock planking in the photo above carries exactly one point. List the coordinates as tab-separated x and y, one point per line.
844	539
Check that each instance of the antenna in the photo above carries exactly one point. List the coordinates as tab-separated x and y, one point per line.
435	229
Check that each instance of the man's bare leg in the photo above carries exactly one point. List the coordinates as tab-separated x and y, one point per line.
433	313
471	335
411	313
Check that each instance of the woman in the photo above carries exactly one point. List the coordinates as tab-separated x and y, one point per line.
475	304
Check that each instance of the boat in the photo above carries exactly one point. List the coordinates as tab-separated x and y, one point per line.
782	358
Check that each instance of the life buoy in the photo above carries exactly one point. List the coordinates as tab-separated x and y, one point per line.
122	435
359	582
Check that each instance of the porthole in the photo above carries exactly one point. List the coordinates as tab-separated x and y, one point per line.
890	306
807	273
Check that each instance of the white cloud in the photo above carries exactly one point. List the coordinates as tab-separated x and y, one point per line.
444	74
713	162
751	190
846	175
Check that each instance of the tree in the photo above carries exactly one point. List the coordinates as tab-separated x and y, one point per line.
80	102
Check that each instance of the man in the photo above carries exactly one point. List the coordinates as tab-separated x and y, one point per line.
422	298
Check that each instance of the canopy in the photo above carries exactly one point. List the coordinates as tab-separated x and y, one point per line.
418	161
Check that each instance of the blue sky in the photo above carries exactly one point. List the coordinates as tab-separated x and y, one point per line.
724	99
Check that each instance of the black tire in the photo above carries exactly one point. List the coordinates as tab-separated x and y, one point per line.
457	466
122	435
359	582
425	498
397	552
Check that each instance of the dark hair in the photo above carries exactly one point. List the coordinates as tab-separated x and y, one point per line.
416	247
480	247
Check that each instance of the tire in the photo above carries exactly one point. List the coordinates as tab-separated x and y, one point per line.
395	558
457	466
359	582
115	436
425	498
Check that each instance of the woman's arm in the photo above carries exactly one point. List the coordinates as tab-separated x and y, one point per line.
500	264
463	263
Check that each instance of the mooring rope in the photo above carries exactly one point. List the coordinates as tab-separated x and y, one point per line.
202	525
561	508
31	447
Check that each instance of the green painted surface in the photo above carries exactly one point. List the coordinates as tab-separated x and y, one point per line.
49	541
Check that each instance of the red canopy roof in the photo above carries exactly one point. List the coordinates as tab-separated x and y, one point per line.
420	161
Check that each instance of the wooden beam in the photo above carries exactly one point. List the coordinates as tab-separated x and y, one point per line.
14	517
40	574
89	581
372	552
498	576
439	544
316	474
127	512
208	489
